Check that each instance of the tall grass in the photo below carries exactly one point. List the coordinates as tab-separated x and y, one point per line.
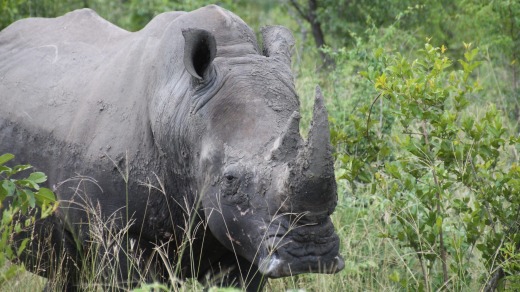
111	261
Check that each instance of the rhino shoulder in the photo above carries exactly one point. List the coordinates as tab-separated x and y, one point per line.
86	19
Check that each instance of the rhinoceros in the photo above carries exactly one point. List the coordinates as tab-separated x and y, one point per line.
185	136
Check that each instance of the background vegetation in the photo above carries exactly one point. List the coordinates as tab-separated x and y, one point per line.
423	98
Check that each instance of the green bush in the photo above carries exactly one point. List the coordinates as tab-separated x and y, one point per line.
440	167
18	198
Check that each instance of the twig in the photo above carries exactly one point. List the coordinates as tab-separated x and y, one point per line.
423	269
369	112
300	11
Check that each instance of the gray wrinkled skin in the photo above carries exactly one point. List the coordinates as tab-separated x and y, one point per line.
189	105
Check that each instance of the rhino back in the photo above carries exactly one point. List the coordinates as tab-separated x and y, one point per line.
88	81
65	76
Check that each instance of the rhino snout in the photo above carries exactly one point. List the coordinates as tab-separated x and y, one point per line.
274	267
302	249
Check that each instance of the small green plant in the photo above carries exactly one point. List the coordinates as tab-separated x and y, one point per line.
511	265
18	198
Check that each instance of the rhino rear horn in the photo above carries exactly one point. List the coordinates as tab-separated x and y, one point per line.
200	48
286	146
278	42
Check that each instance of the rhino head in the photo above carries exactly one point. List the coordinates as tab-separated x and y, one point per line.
267	194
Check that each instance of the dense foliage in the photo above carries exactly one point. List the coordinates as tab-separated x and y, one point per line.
424	104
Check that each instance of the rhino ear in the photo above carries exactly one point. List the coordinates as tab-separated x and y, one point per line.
200	48
278	42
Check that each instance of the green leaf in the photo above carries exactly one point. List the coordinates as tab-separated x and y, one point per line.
6	157
378	52
27	183
9	187
18	227
22	247
393	170
4	169
467	123
470	55
20	168
30	198
381	81
37	177
44	196
394	276
438	222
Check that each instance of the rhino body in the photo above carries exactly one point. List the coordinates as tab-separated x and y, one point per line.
183	135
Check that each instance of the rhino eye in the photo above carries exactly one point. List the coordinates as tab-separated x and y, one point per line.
230	178
230	184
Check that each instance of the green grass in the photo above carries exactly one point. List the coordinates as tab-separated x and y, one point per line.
23	282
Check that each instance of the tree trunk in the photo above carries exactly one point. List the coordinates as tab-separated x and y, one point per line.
310	15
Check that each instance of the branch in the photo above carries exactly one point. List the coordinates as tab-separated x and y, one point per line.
442	246
492	284
370	112
300	11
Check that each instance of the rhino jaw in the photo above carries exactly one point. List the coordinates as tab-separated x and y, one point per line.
274	267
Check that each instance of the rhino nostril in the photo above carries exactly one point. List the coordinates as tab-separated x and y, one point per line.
311	219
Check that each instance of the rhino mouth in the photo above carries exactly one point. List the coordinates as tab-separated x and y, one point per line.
304	249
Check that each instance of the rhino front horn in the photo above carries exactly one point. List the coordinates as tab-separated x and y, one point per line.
312	179
318	148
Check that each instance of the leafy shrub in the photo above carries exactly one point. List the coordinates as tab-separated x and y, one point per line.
18	198
445	174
